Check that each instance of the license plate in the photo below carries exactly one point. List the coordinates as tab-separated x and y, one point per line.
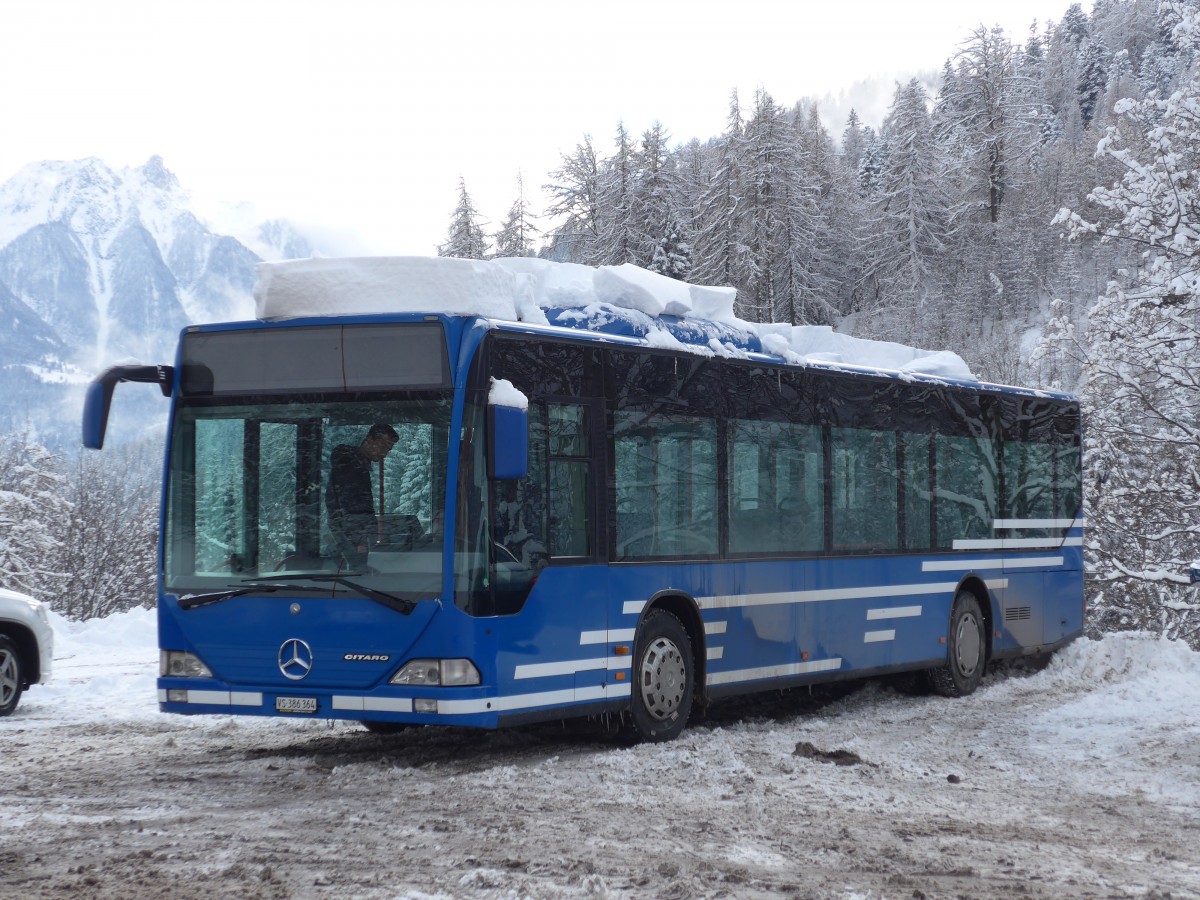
296	704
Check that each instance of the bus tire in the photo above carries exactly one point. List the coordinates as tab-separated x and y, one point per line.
966	650
663	679
11	677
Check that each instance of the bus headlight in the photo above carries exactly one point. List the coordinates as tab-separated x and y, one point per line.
444	672
177	664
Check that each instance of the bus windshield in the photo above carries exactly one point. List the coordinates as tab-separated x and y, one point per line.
277	486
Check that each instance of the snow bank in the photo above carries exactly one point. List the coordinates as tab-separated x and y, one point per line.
522	290
101	667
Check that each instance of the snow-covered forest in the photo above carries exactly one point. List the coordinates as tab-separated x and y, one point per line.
1037	214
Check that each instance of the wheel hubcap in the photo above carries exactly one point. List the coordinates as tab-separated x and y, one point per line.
663	677
8	677
968	645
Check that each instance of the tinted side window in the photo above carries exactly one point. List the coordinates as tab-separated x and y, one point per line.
865	491
570	453
918	491
666	485
967	488
776	488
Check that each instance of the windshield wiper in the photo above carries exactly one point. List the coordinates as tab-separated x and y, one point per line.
193	600
391	601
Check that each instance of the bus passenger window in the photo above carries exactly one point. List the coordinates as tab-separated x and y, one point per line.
666	481
1068	489
865	492
570	448
1029	483
775	488
967	488
918	496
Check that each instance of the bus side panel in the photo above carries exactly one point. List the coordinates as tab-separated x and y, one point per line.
1022	612
559	644
1064	606
901	623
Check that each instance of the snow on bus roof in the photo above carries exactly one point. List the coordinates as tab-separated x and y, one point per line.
661	311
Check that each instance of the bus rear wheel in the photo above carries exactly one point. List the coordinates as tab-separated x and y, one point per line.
663	679
966	650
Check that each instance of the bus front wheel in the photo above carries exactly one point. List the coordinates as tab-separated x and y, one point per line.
663	679
966	650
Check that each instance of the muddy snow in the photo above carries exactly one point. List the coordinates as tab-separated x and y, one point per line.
1080	780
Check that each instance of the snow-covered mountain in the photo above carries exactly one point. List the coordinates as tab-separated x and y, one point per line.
100	264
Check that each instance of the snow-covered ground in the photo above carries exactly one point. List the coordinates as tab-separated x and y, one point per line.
1081	780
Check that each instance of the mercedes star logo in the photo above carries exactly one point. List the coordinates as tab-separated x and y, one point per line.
295	659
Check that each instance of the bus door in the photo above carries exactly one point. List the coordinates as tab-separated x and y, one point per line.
547	535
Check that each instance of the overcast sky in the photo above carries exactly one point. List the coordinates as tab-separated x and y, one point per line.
358	117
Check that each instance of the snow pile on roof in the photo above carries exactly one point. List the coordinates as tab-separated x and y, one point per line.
522	290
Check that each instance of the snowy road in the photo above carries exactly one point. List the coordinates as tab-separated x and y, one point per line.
1079	781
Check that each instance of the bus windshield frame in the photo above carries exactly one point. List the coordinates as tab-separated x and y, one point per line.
248	482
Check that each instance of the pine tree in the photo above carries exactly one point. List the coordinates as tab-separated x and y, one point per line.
465	239
769	163
718	250
1093	79
516	236
853	142
652	209
617	237
908	216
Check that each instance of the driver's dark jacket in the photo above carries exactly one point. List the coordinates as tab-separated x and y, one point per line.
348	498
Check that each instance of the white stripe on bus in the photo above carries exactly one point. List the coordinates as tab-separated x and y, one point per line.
222	698
1078	522
571	666
606	637
970	565
1014	524
529	701
779	598
876	637
716	652
372	704
715	627
1018	543
898	612
803	668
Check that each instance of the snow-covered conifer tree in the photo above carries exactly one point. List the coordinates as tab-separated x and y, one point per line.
465	239
517	235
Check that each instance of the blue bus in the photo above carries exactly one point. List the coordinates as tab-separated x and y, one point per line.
575	518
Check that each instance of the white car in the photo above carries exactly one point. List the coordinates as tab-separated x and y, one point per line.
26	646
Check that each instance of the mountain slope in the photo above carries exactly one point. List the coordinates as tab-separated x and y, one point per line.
100	264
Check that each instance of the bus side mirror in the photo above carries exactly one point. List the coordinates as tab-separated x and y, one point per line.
508	442
96	402
98	399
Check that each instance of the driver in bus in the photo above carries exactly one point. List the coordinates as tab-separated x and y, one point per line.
349	498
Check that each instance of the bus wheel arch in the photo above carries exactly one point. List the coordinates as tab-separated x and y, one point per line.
684	608
968	642
664	671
